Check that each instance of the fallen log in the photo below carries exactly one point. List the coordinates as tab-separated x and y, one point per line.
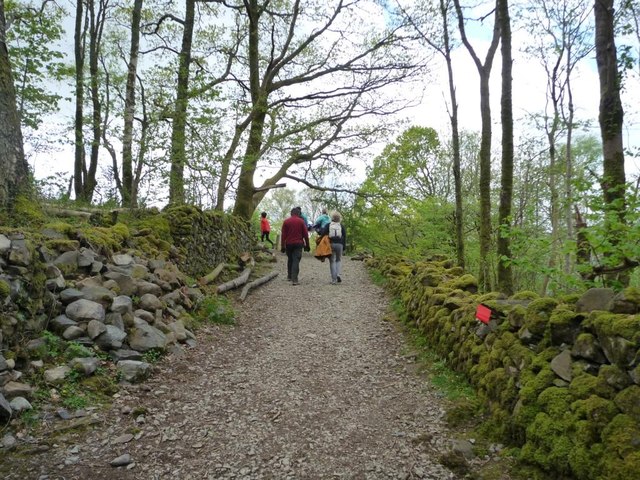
236	282
257	283
210	277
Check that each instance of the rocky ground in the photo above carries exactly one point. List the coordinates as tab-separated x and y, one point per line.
311	383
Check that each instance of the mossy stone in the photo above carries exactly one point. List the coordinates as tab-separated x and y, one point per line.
615	376
621	438
628	401
525	295
555	401
585	385
538	315
5	289
596	410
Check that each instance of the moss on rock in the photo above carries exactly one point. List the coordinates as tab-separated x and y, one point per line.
628	401
538	315
585	385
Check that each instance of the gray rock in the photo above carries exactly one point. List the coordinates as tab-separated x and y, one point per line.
95	328
143	287
126	283
150	302
96	267
67	260
86	257
124	438
73	333
5	407
70	295
156	264
595	299
115	319
84	365
122	304
101	295
8	441
121	461
3	364
85	310
179	329
143	337
133	371
51	271
139	271
464	448
144	315
20	256
111	339
56	376
123	354
20	404
561	365
88	282
56	284
17	389
122	260
5	244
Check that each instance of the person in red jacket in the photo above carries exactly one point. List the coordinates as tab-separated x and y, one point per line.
265	229
295	237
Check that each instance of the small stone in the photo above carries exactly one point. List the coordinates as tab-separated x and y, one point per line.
126	438
9	441
121	461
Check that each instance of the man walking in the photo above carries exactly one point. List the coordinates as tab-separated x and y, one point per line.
295	237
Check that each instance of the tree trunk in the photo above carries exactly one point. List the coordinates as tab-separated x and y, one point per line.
79	167
455	141
245	203
14	170
484	71
178	133
505	276
128	198
610	118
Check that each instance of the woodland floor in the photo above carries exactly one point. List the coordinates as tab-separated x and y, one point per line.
311	383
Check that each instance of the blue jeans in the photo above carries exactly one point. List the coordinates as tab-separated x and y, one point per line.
335	261
294	254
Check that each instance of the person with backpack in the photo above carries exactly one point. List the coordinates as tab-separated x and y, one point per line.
321	221
338	238
265	229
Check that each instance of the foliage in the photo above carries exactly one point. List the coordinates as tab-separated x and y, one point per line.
215	309
36	62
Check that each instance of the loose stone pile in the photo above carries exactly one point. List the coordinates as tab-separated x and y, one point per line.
123	305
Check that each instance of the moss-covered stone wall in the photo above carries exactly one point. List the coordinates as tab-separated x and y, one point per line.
560	377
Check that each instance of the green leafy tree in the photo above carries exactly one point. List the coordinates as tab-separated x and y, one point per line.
37	65
14	171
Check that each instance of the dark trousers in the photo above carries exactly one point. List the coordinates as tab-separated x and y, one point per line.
294	254
266	235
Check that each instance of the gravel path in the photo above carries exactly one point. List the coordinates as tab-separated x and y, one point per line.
311	383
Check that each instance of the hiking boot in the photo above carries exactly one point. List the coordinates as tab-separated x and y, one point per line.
295	282
339	279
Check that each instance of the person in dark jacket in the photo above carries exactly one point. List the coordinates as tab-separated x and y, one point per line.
295	238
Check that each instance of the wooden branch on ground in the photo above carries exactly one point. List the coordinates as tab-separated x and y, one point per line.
257	283
236	282
210	277
65	212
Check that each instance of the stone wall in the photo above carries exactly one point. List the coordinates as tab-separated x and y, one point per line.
559	377
38	263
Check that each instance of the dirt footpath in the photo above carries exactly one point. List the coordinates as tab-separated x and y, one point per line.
311	383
